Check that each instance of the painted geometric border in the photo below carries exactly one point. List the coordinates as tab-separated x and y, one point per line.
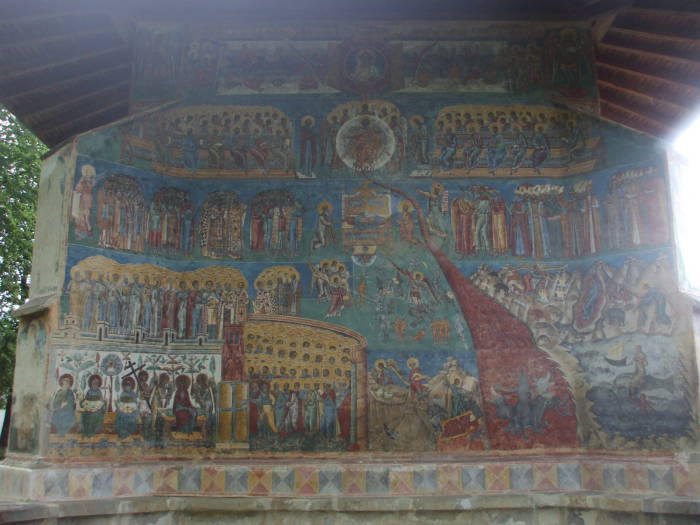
338	480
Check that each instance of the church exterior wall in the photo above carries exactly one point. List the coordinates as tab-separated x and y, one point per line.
344	255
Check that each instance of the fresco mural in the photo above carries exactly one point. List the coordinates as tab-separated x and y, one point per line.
339	244
621	322
468	59
541	220
374	259
463	140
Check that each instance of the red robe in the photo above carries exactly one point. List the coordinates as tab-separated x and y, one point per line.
344	412
462	221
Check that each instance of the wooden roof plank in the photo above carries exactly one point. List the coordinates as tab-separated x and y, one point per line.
687	88
81	118
82	98
658	56
670	106
679	23
70	60
668	92
655	36
68	81
658	66
51	39
671	46
107	117
632	119
641	104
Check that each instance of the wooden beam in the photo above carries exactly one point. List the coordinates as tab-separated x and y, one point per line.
630	117
44	15
661	21
653	78
653	12
37	69
656	56
54	38
67	102
654	36
673	47
649	99
635	114
656	65
66	81
63	125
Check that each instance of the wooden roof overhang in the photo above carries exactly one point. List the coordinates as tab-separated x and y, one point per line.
65	67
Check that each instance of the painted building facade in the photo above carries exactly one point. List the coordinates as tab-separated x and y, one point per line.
331	245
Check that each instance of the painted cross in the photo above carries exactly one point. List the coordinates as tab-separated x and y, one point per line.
133	372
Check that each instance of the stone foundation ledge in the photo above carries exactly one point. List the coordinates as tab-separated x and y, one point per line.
669	476
493	509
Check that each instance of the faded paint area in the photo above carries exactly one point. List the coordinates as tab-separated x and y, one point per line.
48	261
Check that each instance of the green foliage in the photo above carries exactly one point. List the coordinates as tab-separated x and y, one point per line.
20	164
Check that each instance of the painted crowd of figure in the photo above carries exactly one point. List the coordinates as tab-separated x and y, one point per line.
620	323
556	60
278	291
568	306
512	139
150	406
252	138
171	225
413	411
291	410
124	304
154	406
490	139
276	224
545	221
330	281
220	226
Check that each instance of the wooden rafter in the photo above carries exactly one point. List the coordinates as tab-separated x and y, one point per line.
43	15
632	119
654	65
679	23
85	77
82	98
685	62
31	42
68	123
685	91
654	36
662	105
71	60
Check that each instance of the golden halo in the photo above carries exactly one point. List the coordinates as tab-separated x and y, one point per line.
418	275
379	362
404	203
324	204
308	118
417	120
88	170
412	362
